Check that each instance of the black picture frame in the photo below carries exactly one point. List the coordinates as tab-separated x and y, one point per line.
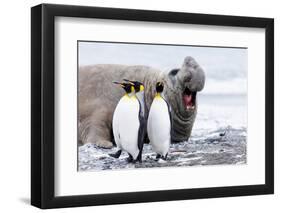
43	102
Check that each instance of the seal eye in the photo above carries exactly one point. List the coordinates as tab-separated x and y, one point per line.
174	72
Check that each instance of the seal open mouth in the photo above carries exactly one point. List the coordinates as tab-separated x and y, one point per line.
189	99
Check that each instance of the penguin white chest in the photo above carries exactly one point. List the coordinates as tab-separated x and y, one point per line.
126	125
159	126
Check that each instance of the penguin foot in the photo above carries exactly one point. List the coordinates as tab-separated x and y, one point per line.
158	156
116	155
164	157
130	159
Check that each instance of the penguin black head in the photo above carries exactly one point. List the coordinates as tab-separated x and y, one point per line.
128	87
159	87
138	85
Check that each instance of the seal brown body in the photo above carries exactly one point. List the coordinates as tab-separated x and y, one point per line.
98	97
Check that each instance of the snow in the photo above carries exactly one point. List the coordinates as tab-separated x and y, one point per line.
219	137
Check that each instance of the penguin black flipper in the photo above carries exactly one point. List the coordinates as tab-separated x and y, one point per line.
141	132
141	135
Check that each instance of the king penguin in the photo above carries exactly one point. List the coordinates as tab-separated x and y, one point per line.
139	90
159	124
126	124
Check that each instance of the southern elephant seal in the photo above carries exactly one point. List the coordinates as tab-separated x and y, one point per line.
98	97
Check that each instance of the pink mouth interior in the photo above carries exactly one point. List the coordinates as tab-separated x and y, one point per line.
187	99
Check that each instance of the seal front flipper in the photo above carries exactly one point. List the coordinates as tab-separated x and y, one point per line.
116	154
